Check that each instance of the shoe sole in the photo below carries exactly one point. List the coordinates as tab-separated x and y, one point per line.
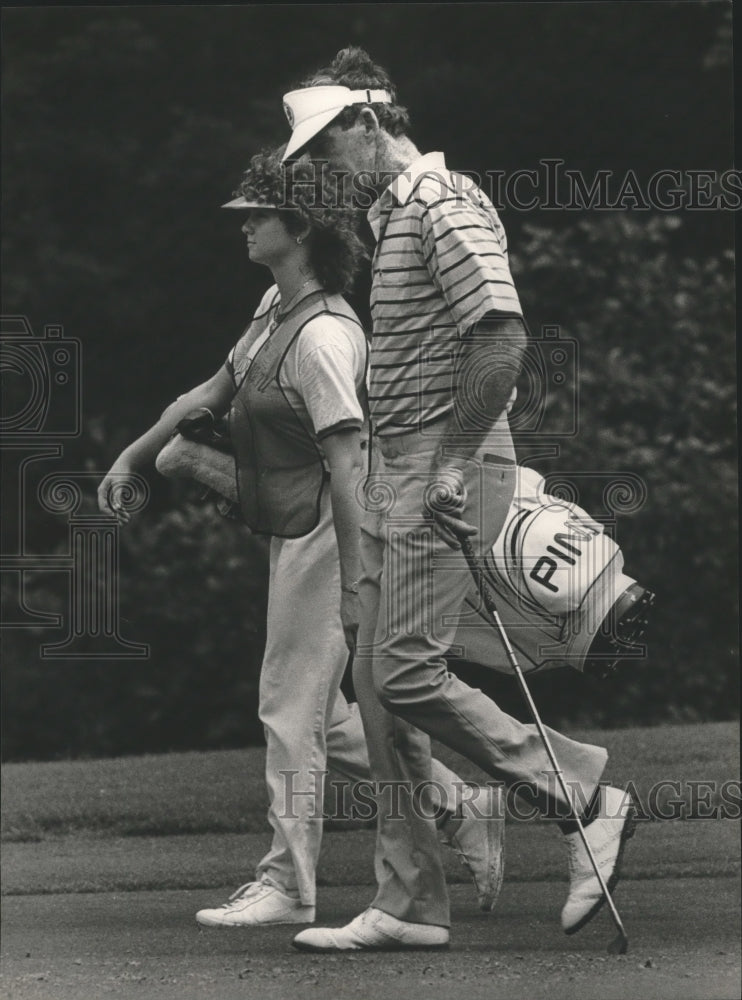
627	833
496	847
258	923
499	875
300	946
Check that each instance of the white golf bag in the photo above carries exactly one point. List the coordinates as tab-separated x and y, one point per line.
560	590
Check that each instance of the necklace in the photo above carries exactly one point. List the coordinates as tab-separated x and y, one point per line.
282	311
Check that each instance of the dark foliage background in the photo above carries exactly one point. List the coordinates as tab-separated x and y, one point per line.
124	129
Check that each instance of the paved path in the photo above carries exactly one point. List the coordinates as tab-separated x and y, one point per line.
92	917
684	935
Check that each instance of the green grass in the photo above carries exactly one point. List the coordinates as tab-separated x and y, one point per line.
198	820
224	792
534	853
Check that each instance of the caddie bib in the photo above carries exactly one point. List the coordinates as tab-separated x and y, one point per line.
280	469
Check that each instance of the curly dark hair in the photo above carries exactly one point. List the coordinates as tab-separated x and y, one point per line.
353	67
308	194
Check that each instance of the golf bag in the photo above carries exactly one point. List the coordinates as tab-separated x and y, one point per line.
560	590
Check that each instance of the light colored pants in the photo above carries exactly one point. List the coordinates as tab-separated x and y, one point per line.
308	723
412	590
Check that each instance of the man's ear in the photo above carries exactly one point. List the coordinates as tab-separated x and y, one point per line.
370	121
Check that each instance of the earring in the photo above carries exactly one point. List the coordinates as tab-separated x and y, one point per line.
300	240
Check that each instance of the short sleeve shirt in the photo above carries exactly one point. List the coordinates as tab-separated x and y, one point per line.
440	265
324	370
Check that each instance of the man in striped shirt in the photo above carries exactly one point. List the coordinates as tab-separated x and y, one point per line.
448	338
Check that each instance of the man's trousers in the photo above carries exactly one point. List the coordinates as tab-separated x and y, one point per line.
412	589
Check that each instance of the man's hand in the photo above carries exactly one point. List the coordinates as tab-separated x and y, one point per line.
445	500
350	615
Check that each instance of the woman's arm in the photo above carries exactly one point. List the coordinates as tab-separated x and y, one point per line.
215	394
344	456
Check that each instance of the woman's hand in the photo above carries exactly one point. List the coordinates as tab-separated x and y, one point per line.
110	489
350	616
214	395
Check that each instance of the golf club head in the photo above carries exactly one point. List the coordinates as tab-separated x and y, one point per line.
619	945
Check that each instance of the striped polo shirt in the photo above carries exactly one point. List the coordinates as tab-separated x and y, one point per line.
439	266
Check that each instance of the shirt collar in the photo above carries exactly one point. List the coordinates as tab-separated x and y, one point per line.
401	188
405	183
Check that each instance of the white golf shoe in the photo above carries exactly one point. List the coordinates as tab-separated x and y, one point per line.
373	930
255	904
479	838
607	836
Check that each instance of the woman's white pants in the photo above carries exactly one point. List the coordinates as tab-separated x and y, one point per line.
308	723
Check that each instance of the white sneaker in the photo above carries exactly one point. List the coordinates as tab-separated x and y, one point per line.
373	930
607	835
478	839
257	903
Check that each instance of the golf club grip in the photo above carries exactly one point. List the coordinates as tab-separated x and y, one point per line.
486	594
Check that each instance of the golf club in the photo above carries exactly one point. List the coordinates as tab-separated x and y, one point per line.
620	945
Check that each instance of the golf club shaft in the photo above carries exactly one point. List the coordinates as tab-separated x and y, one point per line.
489	602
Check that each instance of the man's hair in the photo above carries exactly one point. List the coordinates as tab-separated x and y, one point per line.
309	196
354	68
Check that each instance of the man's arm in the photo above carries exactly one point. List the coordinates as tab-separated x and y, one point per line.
464	249
487	366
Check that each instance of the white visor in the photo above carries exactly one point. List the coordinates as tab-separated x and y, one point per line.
242	202
311	109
